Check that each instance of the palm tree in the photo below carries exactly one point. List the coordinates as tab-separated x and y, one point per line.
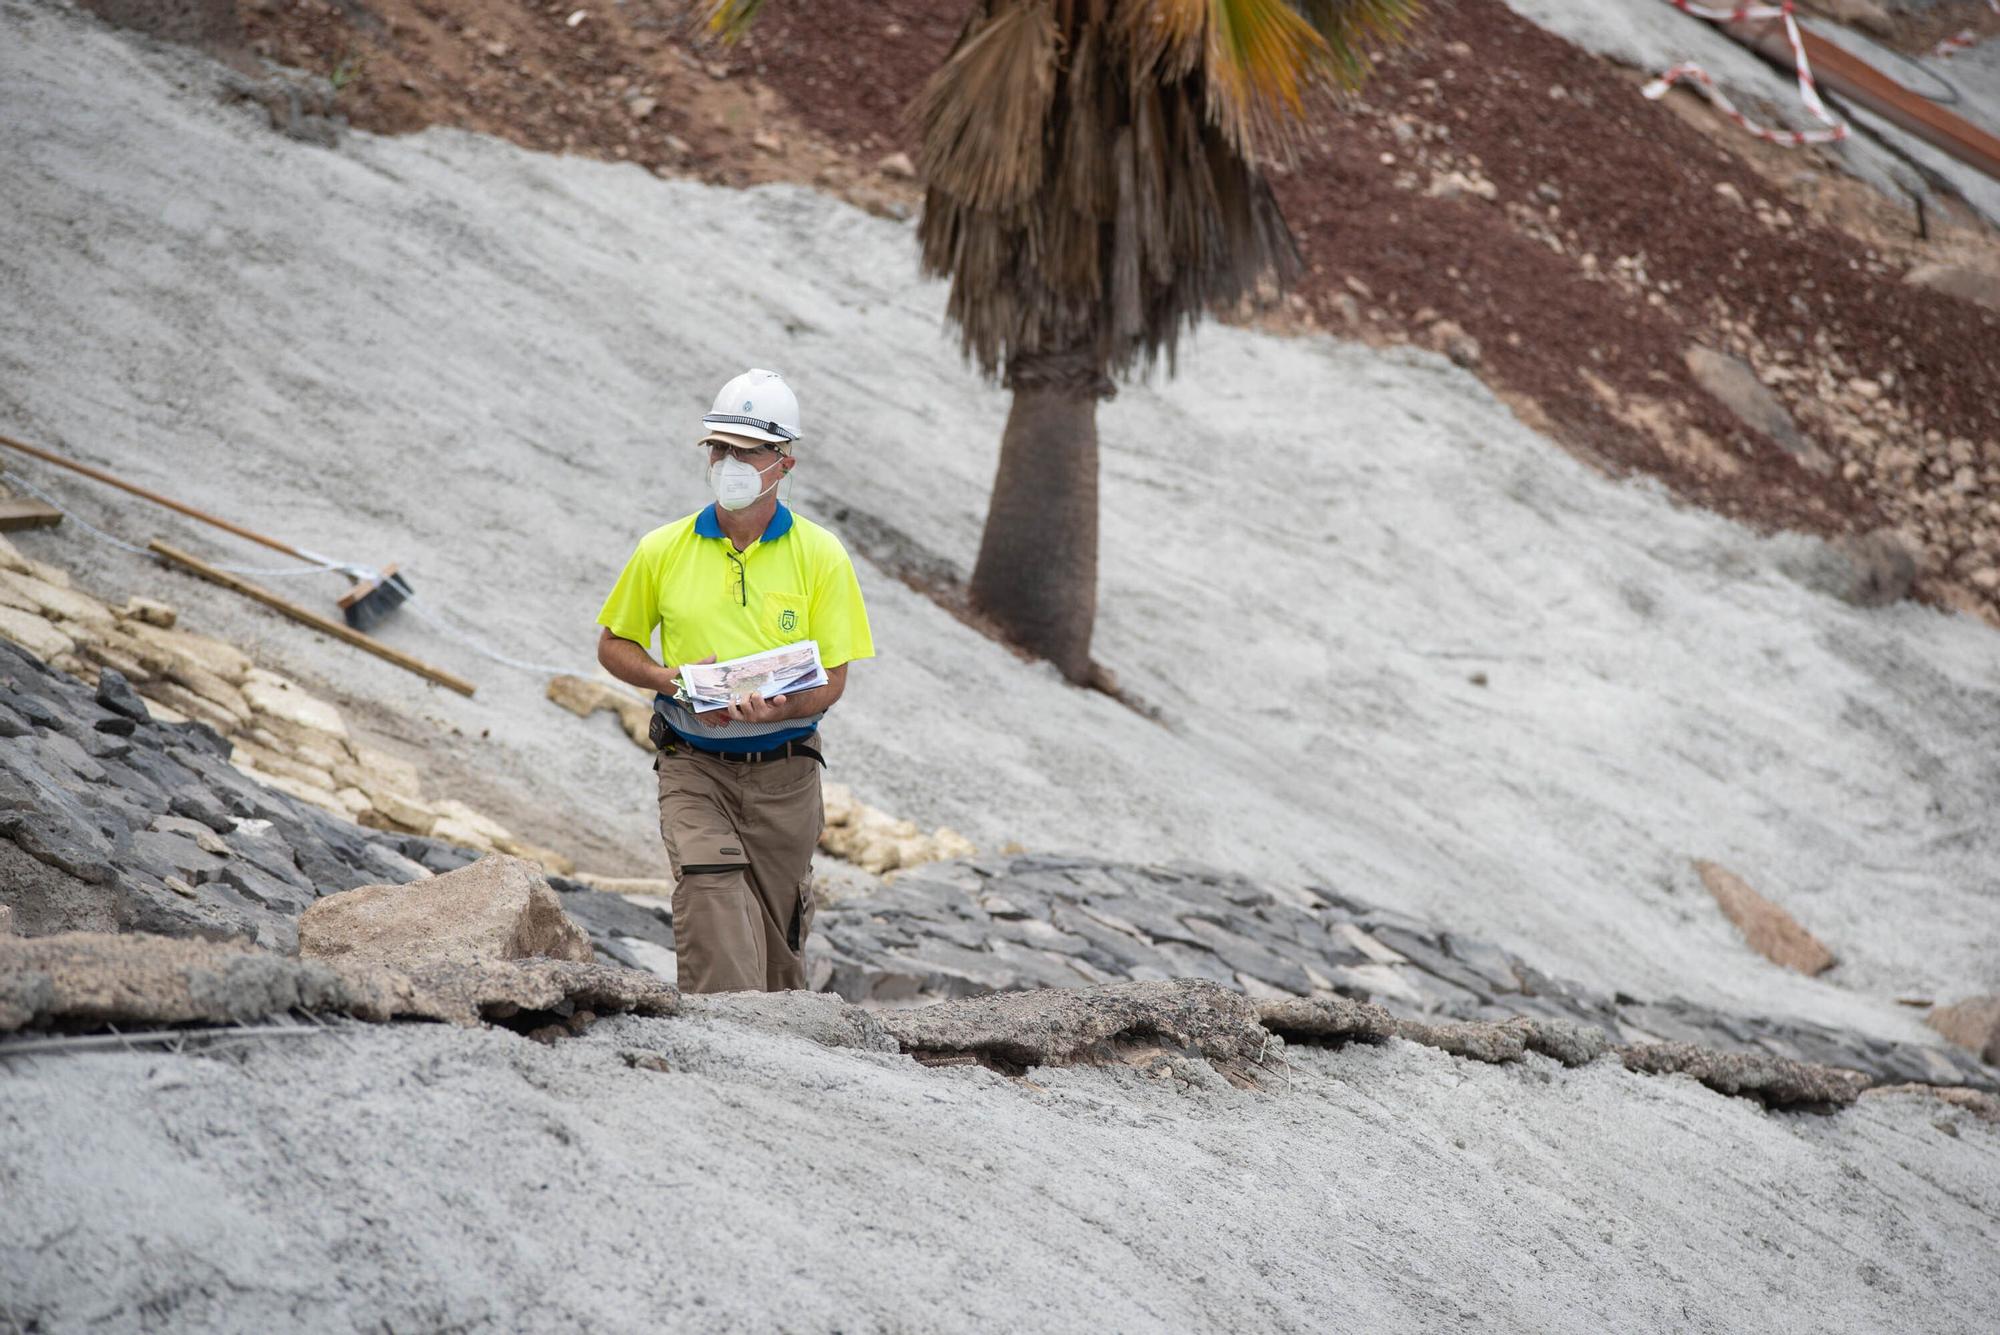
1092	188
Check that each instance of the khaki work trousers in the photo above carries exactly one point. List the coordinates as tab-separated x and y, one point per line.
740	837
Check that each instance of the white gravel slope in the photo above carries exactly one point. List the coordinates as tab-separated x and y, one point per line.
426	1178
486	363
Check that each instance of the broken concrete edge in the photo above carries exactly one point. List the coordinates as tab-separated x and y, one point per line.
83	980
948	1033
1776	1082
1337	1020
1013	1031
1984	1106
78	981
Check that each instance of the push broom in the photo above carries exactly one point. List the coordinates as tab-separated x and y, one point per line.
372	598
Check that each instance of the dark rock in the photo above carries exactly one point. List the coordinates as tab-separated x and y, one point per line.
261	888
164	853
146	904
1429	954
67	845
116	694
609	916
12	724
1245	956
262	845
128	782
47	900
434	854
35	712
197	736
198	804
103	745
1122	950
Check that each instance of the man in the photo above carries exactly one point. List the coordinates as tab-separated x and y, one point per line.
739	787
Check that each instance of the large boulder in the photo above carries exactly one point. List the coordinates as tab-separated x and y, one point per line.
499	908
1973	1024
1769	930
583	697
33	633
1736	387
1973	285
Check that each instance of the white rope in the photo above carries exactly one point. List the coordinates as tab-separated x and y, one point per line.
17	480
1836	129
478	647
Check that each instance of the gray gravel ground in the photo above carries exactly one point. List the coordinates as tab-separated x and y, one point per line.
484	362
424	1178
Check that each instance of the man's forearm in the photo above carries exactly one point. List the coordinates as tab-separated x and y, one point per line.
804	704
631	664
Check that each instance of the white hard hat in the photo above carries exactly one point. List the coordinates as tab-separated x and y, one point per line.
758	405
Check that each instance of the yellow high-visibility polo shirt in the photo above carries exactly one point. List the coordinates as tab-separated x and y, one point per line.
687	581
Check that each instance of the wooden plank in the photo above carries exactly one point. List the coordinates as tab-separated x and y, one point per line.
98	474
339	630
19	514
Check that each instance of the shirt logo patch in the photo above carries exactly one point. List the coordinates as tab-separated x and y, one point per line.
788	621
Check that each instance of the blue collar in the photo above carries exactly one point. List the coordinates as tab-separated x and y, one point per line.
706	525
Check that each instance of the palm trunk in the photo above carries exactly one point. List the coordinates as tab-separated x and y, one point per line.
1036	577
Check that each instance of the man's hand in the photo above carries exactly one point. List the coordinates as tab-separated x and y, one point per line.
756	709
748	709
674	676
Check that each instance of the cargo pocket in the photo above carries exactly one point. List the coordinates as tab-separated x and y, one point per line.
802	917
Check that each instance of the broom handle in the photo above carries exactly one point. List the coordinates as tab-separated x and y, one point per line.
156	498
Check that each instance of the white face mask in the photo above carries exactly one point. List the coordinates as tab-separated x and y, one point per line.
738	485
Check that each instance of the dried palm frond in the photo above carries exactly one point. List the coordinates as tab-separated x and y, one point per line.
1091	166
730	19
1350	27
984	114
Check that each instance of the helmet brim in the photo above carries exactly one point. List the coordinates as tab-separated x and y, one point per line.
749	428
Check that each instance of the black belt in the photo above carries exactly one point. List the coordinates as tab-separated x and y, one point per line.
801	747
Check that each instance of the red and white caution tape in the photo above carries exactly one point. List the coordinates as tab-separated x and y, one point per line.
1836	129
1955	43
1961	39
